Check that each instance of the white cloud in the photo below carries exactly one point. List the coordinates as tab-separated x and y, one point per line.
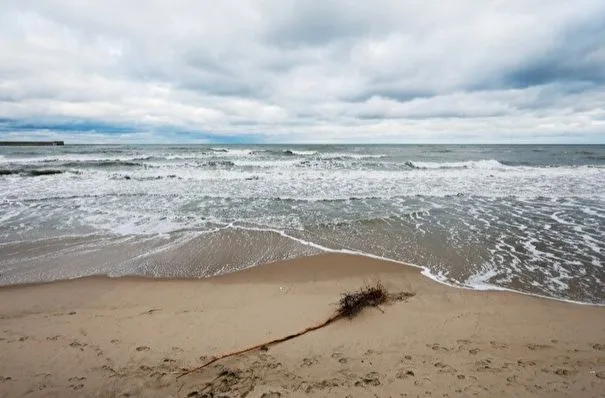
327	71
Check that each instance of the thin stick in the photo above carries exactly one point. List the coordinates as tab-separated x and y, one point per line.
350	305
279	340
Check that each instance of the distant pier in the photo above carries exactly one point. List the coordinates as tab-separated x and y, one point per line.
31	143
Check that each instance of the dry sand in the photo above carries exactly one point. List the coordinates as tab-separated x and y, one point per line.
132	336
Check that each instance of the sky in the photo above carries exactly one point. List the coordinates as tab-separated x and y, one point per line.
303	71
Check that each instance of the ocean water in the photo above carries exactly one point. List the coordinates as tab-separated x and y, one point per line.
527	218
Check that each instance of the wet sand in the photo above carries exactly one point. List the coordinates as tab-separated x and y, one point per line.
132	336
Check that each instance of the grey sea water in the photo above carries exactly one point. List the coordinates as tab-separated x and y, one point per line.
528	218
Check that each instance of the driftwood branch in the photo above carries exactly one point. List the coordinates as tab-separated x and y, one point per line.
262	345
349	306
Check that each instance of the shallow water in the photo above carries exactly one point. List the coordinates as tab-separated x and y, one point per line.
528	218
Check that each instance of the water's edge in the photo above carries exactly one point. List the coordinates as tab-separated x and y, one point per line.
424	271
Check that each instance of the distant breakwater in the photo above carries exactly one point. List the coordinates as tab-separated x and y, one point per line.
31	143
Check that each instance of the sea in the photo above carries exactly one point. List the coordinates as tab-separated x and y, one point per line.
528	218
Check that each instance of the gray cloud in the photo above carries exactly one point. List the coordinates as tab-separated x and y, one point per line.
288	70
577	56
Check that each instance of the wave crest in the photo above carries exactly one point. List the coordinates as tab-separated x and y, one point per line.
487	164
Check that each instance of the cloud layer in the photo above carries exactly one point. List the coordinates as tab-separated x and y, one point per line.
303	71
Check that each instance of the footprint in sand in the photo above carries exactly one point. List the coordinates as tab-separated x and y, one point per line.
110	369
77	344
76	383
511	379
309	361
495	344
422	382
145	368
271	394
338	356
523	363
565	372
444	368
463	344
404	373
143	348
437	347
273	365
535	347
485	365
598	347
371	379
325	384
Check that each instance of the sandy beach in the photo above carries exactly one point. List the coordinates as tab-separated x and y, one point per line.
107	337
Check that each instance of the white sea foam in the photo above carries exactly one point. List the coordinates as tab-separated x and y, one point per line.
239	152
349	155
477	282
487	164
304	153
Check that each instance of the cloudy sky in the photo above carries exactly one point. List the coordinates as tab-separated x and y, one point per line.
303	71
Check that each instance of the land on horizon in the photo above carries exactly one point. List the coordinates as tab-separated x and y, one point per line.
32	143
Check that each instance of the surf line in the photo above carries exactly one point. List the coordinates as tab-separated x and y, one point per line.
424	270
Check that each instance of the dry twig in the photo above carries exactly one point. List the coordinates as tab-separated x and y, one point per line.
349	306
